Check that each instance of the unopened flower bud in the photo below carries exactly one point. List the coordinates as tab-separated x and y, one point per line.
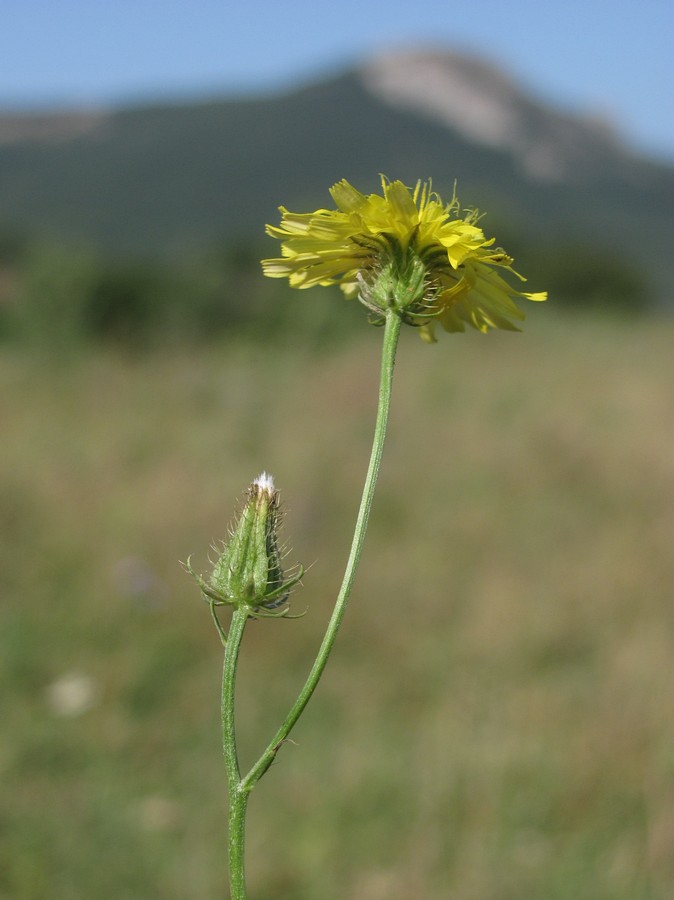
248	570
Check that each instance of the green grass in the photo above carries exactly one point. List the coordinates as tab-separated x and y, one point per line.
495	723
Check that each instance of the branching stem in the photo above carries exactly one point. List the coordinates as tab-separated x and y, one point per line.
240	787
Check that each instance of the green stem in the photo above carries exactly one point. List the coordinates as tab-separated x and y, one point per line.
238	797
391	334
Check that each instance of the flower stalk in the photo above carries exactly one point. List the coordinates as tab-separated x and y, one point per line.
238	786
390	343
238	798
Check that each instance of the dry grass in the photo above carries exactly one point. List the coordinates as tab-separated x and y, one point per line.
496	721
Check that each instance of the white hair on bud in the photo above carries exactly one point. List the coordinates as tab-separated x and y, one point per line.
265	482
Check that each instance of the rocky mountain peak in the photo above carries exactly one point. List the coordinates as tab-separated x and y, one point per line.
488	107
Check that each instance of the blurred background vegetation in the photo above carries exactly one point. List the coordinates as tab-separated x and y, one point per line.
495	723
60	297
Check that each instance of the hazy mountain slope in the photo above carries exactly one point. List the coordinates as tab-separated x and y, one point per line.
169	178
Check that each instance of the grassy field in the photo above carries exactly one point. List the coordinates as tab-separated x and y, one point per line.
497	720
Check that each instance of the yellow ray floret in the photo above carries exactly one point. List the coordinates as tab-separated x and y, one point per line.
401	236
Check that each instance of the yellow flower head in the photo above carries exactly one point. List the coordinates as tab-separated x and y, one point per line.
406	249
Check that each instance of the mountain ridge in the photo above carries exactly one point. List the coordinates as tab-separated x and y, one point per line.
488	106
163	179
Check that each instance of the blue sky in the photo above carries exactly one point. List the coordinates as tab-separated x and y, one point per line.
599	56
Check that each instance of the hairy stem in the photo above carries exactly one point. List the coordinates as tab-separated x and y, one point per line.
238	798
239	788
391	334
